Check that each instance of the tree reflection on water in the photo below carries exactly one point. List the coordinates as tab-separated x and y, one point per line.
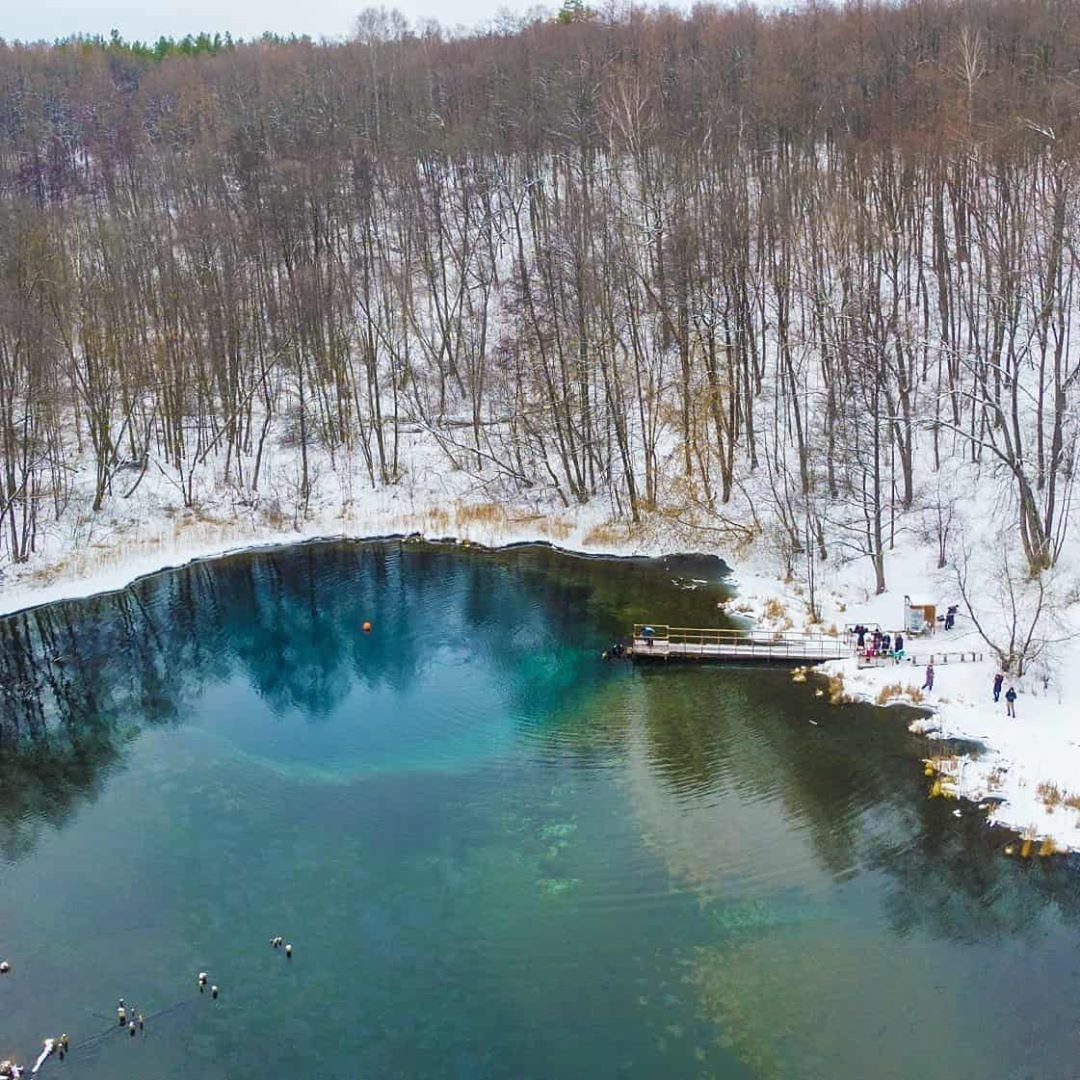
79	680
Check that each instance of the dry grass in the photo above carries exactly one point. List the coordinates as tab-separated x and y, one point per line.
946	765
556	528
1049	796
995	780
488	513
893	691
1052	796
606	535
204	516
526	519
435	519
888	692
118	547
774	609
46	575
834	688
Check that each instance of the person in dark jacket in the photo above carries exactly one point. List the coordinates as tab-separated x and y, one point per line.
898	647
929	682
1010	702
999	678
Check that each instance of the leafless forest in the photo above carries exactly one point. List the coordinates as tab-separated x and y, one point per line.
799	264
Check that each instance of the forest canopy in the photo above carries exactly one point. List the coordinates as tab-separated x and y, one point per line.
806	259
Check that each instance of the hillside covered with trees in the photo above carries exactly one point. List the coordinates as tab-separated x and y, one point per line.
791	273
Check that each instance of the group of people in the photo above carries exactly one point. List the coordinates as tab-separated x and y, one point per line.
999	682
875	643
1010	694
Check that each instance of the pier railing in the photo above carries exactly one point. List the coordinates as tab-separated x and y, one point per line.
691	641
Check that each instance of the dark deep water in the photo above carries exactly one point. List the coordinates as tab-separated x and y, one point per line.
496	856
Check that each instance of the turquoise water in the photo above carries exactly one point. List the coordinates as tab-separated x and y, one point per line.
496	855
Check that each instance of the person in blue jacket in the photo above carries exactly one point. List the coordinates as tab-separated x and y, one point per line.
1010	702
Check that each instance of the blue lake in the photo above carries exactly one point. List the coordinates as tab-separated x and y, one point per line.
495	854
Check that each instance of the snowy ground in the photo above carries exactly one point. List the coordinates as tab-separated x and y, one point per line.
88	553
1031	763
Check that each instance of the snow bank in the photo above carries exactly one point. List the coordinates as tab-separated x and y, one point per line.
89	553
1028	768
1031	762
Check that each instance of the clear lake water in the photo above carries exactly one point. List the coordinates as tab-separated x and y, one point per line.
495	854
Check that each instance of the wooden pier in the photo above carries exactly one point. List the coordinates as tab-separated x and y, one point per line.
735	646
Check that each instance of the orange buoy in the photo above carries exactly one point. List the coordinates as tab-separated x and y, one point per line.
366	627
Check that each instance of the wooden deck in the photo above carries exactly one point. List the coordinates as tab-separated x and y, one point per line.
735	646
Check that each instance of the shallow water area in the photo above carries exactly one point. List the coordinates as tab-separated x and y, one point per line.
495	854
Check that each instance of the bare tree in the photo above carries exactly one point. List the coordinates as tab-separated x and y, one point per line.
1018	615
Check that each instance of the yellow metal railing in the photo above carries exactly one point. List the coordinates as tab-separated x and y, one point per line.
706	641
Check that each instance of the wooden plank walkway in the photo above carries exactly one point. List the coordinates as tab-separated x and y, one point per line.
738	646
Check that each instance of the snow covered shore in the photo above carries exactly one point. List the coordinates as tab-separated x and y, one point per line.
1028	769
87	553
1031	763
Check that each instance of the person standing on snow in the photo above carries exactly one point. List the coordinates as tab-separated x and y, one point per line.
1010	702
929	683
999	678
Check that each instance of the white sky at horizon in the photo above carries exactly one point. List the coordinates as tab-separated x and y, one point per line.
146	21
